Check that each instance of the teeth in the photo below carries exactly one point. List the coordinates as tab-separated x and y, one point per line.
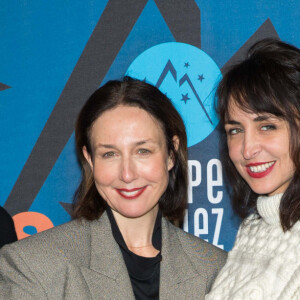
261	168
130	194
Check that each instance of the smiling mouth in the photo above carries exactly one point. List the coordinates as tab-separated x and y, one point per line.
131	193
260	169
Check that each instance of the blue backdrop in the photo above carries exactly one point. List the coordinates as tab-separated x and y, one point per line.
54	54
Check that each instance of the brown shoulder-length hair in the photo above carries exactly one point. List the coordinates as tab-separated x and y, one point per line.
88	203
267	81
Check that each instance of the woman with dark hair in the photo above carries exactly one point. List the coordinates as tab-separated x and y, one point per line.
259	107
132	147
7	228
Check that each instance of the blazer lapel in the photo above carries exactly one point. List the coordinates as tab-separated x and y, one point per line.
107	277
178	276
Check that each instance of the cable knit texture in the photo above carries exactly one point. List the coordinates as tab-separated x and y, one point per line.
264	263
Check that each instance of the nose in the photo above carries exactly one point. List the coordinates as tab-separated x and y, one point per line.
128	170
251	145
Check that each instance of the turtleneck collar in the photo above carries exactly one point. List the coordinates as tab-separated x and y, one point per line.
268	208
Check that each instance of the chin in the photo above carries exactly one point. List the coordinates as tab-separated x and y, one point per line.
134	213
262	190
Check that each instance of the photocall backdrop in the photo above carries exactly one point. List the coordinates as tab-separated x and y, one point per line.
54	54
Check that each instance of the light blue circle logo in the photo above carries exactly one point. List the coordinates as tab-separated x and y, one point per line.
188	76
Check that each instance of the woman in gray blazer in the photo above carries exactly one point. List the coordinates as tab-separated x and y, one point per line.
131	144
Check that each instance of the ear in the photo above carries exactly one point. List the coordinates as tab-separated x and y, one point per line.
87	157
171	159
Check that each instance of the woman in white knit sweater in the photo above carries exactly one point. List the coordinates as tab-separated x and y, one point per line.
259	107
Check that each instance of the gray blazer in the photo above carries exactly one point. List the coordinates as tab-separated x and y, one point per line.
81	260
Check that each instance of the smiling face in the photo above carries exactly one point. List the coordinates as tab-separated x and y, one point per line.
259	148
130	161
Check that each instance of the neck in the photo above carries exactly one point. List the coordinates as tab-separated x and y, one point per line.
137	232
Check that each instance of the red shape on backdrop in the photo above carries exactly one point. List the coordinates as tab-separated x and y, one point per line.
35	219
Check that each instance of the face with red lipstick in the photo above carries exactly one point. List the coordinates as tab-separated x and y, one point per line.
259	148
130	161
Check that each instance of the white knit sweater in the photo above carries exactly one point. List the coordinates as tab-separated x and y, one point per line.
264	263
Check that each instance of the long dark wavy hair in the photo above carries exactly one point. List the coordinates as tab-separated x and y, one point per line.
267	81
88	203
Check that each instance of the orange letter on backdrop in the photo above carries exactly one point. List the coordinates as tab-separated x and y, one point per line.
35	219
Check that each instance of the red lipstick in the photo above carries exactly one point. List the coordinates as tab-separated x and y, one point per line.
131	193
259	174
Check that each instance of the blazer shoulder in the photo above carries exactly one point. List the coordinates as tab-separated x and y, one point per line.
48	264
68	241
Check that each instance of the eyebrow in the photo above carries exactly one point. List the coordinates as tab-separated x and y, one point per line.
232	122
257	119
110	146
261	118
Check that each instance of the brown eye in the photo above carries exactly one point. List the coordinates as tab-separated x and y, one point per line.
109	154
233	131
143	151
